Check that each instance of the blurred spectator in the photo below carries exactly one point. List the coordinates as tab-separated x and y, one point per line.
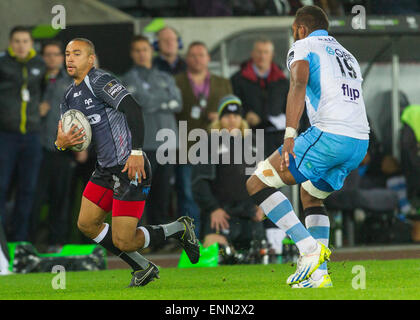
228	214
383	106
378	188
210	8
160	98
266	7
57	167
201	92
168	44
381	170
393	7
263	87
331	7
4	254
21	85
410	152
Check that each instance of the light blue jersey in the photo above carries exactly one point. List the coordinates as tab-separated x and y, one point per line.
338	138
334	96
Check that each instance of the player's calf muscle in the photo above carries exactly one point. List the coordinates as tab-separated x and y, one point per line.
125	234
309	200
127	243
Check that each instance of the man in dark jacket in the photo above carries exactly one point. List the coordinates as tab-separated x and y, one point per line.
168	44
228	214
201	91
57	168
262	87
160	99
21	79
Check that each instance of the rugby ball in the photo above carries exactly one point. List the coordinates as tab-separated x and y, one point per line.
76	117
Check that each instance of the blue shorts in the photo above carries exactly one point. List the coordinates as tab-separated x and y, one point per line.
325	158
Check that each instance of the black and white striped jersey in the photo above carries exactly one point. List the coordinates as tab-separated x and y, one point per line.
98	97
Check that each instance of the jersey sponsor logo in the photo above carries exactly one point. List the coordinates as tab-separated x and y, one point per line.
330	50
146	190
330	39
353	94
344	55
76	94
113	88
94	118
88	101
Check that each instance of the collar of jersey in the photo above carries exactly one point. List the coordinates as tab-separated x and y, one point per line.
87	74
318	33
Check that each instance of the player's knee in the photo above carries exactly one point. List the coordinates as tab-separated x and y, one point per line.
253	185
84	227
88	228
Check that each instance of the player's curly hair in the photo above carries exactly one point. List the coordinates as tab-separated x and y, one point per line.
313	17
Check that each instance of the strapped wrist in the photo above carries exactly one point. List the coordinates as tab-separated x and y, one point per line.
290	133
137	152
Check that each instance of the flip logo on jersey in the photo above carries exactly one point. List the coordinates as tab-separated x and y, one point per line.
354	94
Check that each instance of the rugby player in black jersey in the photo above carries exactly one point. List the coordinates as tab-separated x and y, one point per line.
122	177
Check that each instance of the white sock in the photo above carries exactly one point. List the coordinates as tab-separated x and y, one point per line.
4	263
102	234
146	236
279	210
319	227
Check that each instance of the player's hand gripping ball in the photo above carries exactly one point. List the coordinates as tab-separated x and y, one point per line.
76	118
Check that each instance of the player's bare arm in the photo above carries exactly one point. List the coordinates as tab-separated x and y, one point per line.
71	138
299	74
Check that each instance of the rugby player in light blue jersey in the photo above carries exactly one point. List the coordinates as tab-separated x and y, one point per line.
327	78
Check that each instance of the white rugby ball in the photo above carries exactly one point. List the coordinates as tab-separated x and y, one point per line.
76	117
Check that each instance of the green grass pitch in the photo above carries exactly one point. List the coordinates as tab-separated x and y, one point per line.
395	279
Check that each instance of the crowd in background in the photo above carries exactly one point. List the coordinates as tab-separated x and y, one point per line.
217	8
39	184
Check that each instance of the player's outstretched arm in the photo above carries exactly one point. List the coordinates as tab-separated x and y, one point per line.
299	74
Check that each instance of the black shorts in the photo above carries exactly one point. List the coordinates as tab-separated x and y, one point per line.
111	189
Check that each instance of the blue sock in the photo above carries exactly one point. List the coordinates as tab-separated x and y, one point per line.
279	210
319	227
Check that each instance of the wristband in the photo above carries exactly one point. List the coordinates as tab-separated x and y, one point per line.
290	133
57	147
138	152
